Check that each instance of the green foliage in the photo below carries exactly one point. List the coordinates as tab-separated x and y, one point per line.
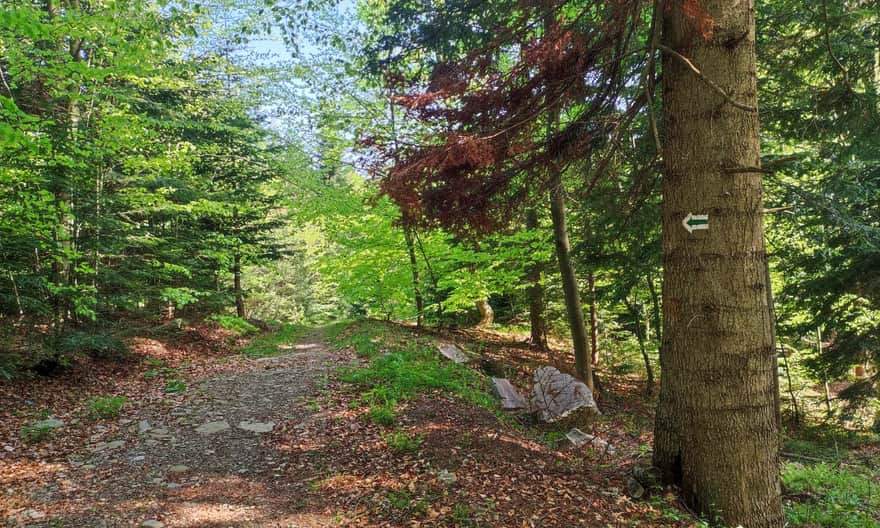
404	501
233	323
35	433
829	496
94	343
133	180
383	413
273	343
412	368
400	368
173	386
401	442
821	104
106	406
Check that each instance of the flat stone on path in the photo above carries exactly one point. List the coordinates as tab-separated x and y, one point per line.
102	446
511	400
152	523
212	427
578	438
453	353
180	468
257	427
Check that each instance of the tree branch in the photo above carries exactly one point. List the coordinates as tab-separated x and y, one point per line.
709	82
827	36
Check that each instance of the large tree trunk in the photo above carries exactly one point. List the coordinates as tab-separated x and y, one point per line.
716	431
414	266
535	292
569	281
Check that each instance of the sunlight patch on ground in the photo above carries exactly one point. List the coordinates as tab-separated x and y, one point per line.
192	514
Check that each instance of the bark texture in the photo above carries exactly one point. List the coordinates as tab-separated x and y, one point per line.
716	432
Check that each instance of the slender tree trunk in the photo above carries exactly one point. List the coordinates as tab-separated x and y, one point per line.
236	285
829	411
434	284
715	433
640	317
535	292
17	296
594	321
414	266
792	395
777	399
656	311
649	369
569	282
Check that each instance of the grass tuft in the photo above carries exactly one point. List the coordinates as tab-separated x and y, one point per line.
106	406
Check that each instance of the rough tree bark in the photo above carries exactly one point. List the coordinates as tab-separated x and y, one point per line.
715	431
535	292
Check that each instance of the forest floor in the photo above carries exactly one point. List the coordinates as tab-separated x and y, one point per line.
351	425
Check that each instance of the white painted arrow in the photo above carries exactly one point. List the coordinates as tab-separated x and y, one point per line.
694	222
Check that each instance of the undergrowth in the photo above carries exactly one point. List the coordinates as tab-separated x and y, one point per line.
832	497
400	366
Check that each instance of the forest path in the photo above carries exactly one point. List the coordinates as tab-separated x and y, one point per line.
205	462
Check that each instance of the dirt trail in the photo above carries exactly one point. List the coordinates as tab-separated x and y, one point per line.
206	462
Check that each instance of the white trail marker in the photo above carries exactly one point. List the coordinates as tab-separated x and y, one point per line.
694	222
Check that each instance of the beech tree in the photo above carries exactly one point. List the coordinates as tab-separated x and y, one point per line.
716	434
